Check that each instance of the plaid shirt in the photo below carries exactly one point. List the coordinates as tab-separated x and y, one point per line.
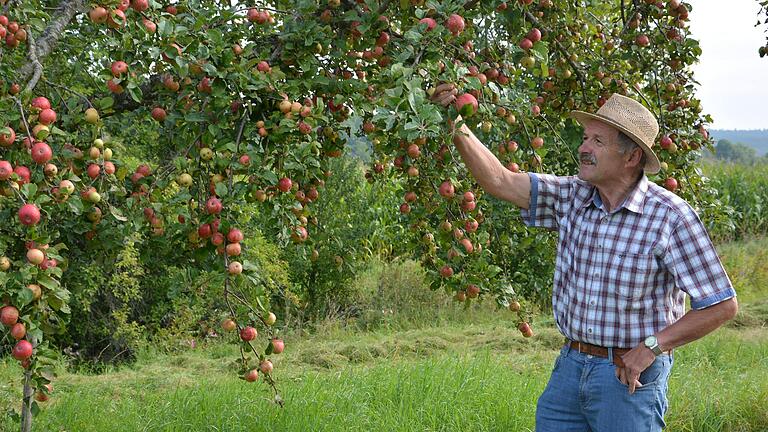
622	276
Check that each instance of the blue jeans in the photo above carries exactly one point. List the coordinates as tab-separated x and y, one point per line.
584	395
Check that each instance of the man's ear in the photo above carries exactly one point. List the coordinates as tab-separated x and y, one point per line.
634	158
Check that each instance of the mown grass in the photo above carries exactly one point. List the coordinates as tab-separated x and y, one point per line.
474	372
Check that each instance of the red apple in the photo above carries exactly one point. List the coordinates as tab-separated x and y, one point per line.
9	315
29	215
534	35
213	206
266	366
284	184
235	268
93	171
23	173
6	169
7	139
446	189
671	184
431	23
466	104
248	333
235	235
47	116
473	291
18	331
22	350
252	375
278	346
158	114
525	329
40	103
455	24
446	271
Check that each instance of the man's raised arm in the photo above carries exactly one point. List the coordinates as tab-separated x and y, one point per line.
484	166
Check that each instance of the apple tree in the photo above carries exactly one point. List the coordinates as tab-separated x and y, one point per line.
250	103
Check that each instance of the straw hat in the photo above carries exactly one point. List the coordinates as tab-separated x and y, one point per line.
632	118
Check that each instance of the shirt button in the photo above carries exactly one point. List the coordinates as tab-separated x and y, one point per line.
596	275
593	302
589	330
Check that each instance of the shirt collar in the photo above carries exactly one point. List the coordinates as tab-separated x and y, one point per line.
633	202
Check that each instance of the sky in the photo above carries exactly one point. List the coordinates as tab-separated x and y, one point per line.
733	77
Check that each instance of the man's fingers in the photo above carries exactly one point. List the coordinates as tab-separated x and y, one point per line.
446	99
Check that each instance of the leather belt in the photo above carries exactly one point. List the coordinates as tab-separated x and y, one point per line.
599	351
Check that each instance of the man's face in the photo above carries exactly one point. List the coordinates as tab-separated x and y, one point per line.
600	162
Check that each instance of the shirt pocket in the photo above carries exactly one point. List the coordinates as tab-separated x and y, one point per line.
632	275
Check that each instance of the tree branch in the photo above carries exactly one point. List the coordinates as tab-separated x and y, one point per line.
63	15
33	60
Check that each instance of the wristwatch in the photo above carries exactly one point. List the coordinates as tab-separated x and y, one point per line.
653	344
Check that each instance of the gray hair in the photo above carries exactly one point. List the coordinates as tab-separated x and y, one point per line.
628	145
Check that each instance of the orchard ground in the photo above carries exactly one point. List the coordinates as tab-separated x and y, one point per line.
451	369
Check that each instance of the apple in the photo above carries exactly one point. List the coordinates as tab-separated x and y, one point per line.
109	167
18	331
235	268
466	104
469	196
6	169
206	153
228	325
642	40
184	180
213	206
37	292
158	114
278	346
526	44
431	23
29	215
534	35
514	306
40	103
66	187
473	291
233	249
47	116
666	142
22	350
266	366
537	142
252	375
7	137
671	184
5	263
284	184
446	271
460	296
248	333
270	319
9	315
140	5
235	235
93	170
263	66
405	208
467	244
455	24
525	329
204	231
446	189
149	25
410	196
50	170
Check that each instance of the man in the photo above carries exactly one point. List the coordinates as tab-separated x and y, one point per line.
628	252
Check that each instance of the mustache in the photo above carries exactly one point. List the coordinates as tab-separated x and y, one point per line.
587	157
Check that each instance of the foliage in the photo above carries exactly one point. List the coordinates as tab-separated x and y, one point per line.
735	152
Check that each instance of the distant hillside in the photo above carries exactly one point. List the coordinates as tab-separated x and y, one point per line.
757	139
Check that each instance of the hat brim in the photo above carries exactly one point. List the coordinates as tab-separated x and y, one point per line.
652	165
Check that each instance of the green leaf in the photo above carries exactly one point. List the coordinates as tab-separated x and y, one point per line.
221	189
117	214
48	282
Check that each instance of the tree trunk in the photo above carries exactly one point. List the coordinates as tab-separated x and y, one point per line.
26	407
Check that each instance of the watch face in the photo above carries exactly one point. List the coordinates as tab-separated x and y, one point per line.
650	341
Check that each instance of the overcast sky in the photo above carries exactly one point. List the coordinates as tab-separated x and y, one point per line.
733	77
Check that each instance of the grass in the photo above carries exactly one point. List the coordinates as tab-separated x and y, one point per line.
473	373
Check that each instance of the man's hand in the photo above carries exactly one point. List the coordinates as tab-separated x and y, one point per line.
444	94
635	362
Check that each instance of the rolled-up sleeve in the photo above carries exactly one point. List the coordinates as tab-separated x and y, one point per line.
693	261
550	197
